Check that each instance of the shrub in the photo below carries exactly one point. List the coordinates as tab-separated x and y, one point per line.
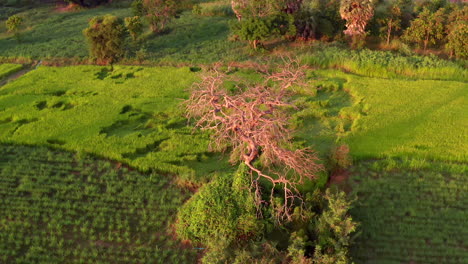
256	29
134	26
106	38
340	158
159	12
13	24
222	210
334	228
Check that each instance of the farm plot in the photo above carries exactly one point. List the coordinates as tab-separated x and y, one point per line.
411	215
60	207
132	114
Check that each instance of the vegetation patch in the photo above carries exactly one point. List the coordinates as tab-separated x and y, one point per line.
61	207
8	69
410	210
135	120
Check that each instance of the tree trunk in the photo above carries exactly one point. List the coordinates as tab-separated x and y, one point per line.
255	44
426	41
389	32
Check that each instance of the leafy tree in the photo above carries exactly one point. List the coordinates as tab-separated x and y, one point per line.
457	29
256	30
159	12
357	14
334	229
13	24
134	26
390	21
88	3
106	38
427	29
319	18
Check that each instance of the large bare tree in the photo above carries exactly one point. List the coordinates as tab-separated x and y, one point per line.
253	124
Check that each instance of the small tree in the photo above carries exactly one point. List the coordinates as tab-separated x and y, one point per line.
357	14
390	22
256	30
106	38
457	29
13	24
334	229
427	29
134	26
159	13
254	125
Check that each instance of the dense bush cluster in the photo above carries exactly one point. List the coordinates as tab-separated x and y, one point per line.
428	23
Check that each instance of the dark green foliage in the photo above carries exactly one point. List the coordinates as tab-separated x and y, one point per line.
88	3
427	29
62	207
319	19
106	38
256	30
334	228
221	211
13	24
138	8
389	17
385	64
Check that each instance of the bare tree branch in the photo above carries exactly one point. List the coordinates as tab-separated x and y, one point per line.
254	124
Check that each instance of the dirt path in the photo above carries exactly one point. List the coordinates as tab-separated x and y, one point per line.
16	75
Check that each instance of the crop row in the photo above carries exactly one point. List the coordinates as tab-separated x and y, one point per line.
81	210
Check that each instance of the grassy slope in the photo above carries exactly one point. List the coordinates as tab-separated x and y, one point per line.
133	115
51	34
190	38
7	69
59	207
401	118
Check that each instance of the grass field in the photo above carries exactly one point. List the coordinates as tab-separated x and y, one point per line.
133	115
7	69
48	33
406	127
60	207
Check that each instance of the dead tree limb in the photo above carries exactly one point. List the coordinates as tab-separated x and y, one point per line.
253	124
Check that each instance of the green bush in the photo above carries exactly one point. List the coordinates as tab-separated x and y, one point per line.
13	24
258	29
334	228
106	38
222	210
